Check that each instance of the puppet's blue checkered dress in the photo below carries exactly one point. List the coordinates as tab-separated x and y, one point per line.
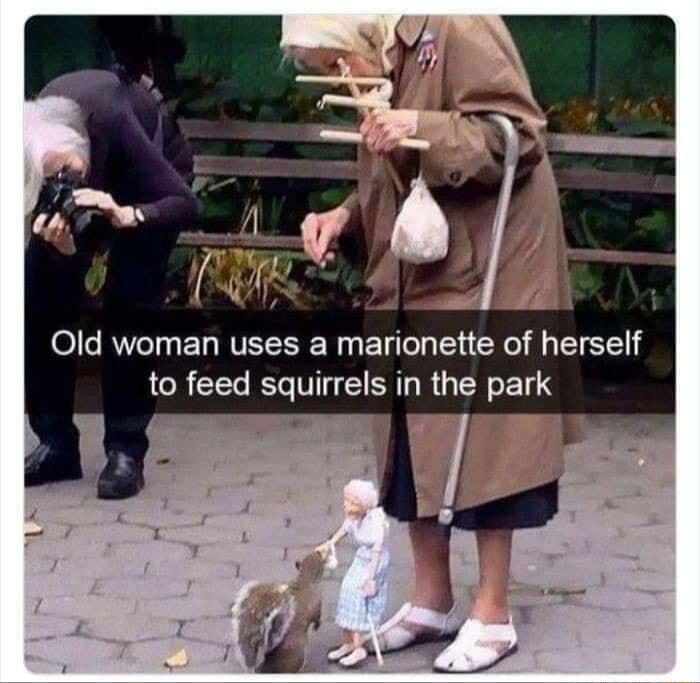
368	533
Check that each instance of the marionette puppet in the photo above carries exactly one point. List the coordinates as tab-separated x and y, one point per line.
364	590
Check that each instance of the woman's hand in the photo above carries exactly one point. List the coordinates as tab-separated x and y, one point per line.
369	588
318	230
56	232
382	129
119	216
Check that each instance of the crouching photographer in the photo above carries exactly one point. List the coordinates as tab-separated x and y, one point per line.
105	166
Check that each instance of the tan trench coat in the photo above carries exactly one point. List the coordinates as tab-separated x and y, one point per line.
478	70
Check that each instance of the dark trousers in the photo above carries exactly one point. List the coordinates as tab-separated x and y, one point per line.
54	291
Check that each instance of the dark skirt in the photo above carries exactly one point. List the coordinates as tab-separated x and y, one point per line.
526	509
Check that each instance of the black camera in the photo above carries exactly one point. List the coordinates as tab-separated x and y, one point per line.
56	196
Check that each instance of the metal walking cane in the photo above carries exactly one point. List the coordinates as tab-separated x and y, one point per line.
510	139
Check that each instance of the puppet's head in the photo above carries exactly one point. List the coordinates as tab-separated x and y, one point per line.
359	496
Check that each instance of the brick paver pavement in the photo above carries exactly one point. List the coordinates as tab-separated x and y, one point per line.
118	586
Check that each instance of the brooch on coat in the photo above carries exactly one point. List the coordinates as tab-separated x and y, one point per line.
427	53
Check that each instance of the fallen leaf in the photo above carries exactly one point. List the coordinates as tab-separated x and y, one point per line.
32	529
162	461
177	660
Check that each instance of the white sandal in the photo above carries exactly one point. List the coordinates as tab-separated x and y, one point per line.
358	654
340	652
478	646
431	626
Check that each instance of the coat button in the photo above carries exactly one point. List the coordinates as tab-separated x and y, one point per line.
455	177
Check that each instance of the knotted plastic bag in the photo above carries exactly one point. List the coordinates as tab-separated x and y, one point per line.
421	233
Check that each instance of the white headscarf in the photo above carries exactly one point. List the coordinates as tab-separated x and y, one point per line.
368	35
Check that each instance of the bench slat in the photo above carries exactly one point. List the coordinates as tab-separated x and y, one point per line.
244	240
557	143
610	145
613	256
610	181
270	167
294	243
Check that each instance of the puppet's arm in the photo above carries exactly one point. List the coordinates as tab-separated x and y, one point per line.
335	538
369	588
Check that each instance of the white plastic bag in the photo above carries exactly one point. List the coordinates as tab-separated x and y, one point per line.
421	233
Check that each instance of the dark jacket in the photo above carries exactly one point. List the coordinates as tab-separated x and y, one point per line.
121	118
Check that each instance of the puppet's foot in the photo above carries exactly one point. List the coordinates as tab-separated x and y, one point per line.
359	654
412	625
340	652
478	646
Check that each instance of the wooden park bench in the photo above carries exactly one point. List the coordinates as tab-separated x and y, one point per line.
578	178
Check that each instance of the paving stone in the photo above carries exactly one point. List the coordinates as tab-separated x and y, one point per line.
81	514
281	510
200	535
611	518
657	660
115	666
100	567
641	580
142	588
161	519
216	630
130	627
63	548
46	500
155	652
630	639
72	649
143	503
150	550
666	599
42	626
30	605
56	585
610	597
238	553
185	608
39	666
578	619
114	533
231	503
545	635
586	660
87	606
190	569
38	565
224	590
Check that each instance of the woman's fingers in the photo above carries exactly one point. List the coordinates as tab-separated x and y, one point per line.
310	229
39	223
94	198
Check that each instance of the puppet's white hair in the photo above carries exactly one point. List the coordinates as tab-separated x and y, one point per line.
51	124
363	491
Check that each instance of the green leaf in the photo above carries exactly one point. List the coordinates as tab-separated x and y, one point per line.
96	275
586	281
657	229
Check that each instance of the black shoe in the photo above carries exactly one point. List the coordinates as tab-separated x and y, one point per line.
122	476
46	463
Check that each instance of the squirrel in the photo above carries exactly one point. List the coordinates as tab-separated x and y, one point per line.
271	621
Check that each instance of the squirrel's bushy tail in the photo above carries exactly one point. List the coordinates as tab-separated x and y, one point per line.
260	616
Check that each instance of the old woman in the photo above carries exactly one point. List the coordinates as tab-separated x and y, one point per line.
446	73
